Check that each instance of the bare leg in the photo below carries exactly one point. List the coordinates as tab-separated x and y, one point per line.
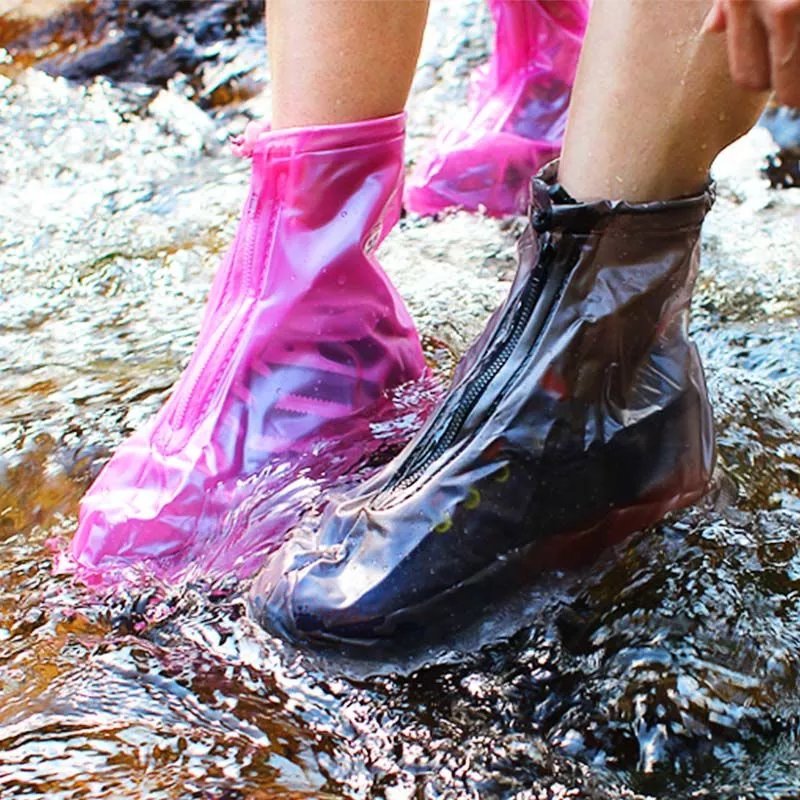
653	103
338	61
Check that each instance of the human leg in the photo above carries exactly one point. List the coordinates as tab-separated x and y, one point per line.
581	414
302	327
336	61
639	133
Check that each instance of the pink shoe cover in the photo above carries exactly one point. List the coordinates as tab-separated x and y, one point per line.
302	328
517	113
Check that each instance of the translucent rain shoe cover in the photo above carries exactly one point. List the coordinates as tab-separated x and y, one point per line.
516	115
302	328
577	417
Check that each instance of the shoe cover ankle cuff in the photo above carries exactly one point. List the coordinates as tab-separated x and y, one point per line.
259	136
552	208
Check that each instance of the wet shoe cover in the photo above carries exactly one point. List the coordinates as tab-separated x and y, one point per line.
577	417
302	327
516	113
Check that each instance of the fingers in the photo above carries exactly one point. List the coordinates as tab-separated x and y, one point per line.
784	39
715	21
748	47
763	44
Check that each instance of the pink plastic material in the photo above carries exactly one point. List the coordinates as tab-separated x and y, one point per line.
302	328
516	116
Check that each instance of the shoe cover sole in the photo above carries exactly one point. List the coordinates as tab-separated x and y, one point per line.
402	633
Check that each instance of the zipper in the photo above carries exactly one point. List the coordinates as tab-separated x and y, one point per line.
204	382
482	374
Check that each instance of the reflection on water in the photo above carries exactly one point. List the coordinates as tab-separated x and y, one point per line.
668	670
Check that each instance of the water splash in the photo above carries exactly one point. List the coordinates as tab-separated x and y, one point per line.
263	508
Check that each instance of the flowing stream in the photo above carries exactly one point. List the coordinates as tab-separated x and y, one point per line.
670	669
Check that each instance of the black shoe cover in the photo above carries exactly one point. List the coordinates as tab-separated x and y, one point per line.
577	417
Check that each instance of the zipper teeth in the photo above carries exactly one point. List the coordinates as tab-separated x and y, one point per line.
254	203
180	414
421	459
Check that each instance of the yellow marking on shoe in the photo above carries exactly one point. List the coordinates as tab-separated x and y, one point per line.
444	525
504	474
473	499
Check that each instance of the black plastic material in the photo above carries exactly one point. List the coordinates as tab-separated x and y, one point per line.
577	417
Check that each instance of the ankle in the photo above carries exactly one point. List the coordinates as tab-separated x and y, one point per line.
588	185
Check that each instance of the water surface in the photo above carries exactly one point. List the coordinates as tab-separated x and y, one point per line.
670	669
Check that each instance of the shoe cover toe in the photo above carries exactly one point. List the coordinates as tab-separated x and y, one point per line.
129	523
286	596
270	596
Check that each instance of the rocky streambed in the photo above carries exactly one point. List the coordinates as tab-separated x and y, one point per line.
671	669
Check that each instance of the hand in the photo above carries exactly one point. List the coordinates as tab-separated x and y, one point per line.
763	44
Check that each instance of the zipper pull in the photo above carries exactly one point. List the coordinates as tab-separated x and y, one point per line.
542	220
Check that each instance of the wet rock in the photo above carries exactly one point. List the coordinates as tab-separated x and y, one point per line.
108	59
134	40
783	167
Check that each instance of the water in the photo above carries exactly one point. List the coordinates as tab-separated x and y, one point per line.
670	669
